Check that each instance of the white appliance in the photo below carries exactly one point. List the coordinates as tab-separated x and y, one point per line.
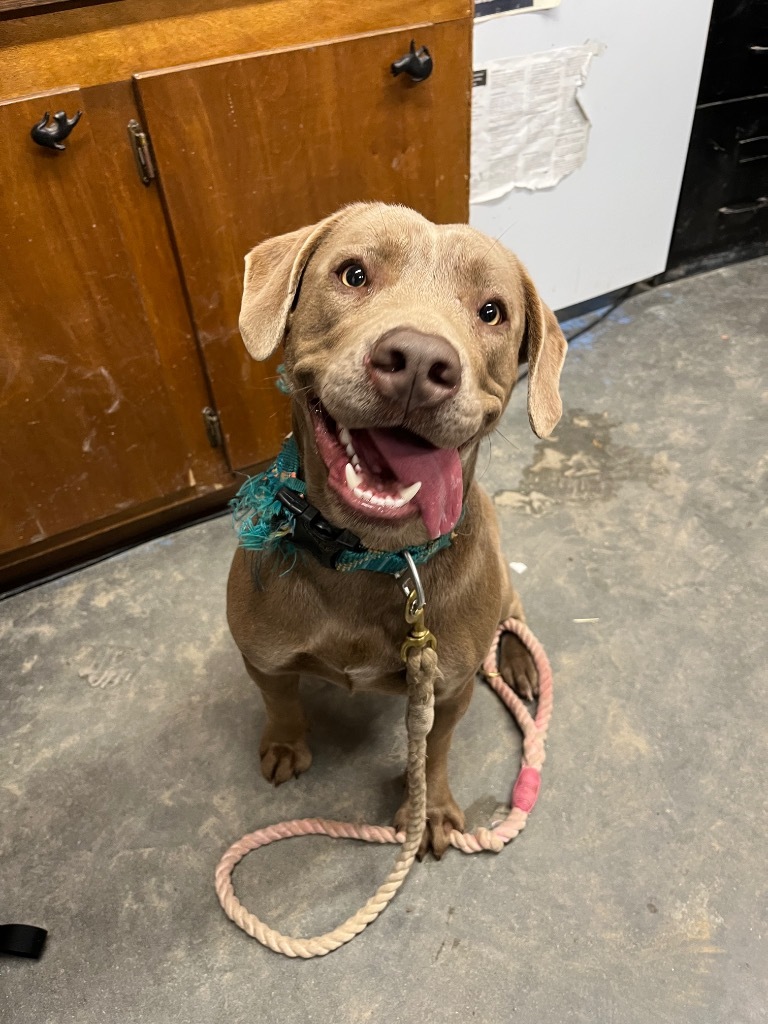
609	223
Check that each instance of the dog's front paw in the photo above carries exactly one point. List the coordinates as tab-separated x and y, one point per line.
517	668
442	819
283	761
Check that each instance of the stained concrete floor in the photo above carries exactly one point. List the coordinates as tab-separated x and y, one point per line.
637	893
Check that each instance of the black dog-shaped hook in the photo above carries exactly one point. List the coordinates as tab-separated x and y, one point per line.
52	135
417	64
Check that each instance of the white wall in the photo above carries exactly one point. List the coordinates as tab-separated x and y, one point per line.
610	222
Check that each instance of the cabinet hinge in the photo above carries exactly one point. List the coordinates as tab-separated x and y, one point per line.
213	427
139	140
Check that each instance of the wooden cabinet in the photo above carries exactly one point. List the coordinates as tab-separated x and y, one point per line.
88	426
119	302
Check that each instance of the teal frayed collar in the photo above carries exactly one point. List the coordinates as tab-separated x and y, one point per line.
263	523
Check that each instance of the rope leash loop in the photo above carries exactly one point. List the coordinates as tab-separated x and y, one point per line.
421	673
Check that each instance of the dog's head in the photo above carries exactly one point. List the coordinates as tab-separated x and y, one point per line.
402	343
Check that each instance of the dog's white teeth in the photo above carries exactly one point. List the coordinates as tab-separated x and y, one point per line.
406	493
345	439
353	478
384	500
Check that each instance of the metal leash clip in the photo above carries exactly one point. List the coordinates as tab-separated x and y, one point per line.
415	603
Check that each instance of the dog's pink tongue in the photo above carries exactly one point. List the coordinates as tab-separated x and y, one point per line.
439	469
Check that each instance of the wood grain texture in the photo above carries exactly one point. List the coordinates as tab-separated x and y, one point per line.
86	424
253	147
93	45
18	7
76	547
143	227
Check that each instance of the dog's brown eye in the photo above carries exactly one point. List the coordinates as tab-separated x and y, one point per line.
491	313
353	276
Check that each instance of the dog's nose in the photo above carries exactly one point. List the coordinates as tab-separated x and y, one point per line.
414	370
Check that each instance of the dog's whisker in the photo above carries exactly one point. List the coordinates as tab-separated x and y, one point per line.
495	241
488	463
515	446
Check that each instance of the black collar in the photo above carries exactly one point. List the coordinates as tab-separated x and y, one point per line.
313	532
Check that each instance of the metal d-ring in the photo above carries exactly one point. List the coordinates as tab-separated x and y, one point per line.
410	581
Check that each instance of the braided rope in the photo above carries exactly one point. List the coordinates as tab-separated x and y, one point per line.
422	671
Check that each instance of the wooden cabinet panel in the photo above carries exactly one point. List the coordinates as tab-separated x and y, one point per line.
86	425
150	250
254	146
112	41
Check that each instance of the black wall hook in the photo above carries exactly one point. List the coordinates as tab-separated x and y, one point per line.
417	64
52	135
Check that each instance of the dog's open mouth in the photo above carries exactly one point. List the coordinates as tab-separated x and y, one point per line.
390	473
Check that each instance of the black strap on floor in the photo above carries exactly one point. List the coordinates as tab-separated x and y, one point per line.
22	940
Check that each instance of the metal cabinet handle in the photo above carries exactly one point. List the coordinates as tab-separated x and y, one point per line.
417	64
52	135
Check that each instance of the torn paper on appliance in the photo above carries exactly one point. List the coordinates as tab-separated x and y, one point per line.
529	129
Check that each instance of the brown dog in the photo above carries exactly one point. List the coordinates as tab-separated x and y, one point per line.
402	343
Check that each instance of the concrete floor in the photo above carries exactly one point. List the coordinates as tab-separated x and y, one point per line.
637	893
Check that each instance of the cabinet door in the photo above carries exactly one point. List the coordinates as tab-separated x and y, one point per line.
85	430
258	145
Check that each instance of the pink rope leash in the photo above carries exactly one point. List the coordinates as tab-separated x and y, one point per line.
523	799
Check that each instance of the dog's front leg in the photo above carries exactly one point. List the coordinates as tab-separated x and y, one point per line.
515	662
443	813
283	748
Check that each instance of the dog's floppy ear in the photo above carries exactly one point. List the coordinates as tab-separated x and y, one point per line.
543	347
272	276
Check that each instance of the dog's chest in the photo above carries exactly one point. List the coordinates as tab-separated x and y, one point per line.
361	677
360	671
359	650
